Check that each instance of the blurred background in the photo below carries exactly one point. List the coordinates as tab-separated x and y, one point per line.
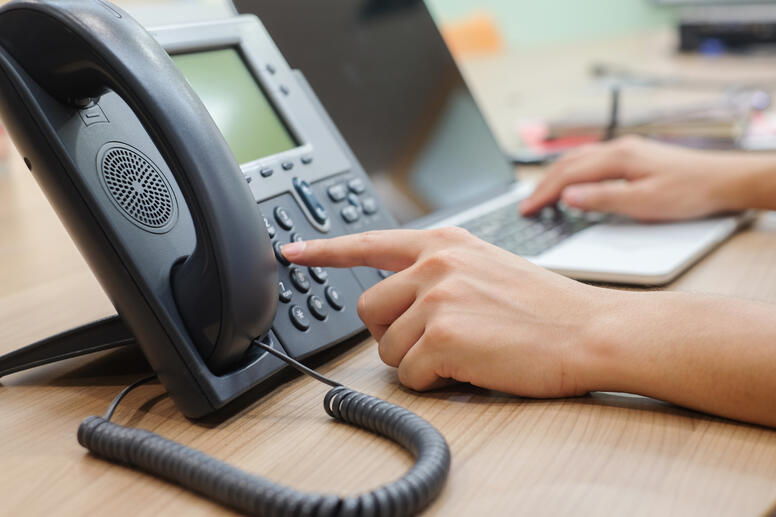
553	74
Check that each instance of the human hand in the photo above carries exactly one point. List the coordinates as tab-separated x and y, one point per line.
462	309
643	179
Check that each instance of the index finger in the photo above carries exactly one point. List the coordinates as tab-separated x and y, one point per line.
393	250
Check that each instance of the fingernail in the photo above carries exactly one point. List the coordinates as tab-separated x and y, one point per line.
574	195
293	250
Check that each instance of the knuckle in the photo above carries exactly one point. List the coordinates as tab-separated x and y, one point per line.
386	353
438	295
626	146
441	262
452	233
439	331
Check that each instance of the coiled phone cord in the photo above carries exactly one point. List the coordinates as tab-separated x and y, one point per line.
254	495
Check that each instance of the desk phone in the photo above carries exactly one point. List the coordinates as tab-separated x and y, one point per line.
180	161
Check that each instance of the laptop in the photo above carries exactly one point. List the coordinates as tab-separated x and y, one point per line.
389	82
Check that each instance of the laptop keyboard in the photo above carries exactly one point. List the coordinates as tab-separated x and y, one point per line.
529	236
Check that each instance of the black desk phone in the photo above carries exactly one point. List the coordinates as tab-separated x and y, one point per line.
180	161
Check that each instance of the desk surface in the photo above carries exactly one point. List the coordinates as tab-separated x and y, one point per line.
602	453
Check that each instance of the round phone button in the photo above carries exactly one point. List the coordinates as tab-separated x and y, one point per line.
334	298
317	307
299	279
299	318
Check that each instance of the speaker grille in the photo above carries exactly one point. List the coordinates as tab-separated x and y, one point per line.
137	187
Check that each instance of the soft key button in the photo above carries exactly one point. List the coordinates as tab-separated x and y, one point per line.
310	200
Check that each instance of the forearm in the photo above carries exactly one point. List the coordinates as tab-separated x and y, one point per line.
712	354
746	181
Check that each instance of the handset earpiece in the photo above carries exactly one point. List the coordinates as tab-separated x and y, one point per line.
226	290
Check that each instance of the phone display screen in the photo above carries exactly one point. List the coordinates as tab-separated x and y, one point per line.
237	103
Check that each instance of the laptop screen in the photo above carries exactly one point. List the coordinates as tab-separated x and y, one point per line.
386	77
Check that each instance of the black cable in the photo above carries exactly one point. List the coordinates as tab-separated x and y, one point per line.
117	400
254	495
296	364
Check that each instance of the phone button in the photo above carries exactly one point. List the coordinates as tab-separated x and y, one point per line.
299	318
356	186
319	274
285	293
317	307
338	192
279	253
350	214
299	279
369	205
334	298
283	219
354	200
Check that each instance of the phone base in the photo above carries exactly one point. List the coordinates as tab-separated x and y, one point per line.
93	337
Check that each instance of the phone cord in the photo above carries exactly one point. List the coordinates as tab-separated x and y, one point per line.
255	495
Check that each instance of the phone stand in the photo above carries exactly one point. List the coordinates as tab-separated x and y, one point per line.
93	337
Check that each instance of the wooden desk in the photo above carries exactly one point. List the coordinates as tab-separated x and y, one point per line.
600	454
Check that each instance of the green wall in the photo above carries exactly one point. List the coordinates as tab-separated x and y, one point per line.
534	22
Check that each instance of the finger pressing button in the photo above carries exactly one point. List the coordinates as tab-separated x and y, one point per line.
279	253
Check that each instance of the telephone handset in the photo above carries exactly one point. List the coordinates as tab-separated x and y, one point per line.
185	241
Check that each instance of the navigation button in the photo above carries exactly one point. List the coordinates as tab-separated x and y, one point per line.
307	159
354	200
266	172
310	200
287	166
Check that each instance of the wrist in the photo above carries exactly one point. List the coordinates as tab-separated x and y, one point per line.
743	182
620	338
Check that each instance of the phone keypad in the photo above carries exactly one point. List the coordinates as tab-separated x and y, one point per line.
315	311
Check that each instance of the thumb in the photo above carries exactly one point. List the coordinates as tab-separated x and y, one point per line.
618	197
